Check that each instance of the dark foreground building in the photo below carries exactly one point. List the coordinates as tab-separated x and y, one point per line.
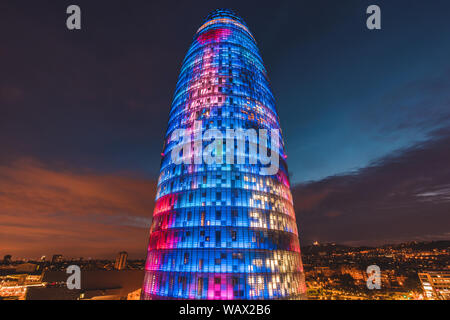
95	285
223	230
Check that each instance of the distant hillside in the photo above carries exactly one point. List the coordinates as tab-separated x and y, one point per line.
331	247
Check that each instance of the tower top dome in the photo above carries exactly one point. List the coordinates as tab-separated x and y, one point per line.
223	13
223	18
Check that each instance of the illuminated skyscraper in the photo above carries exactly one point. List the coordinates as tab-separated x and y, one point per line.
223	230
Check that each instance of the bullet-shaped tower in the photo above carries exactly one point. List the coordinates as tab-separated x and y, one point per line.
223	230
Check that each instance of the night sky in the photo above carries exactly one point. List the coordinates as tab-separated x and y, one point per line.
365	117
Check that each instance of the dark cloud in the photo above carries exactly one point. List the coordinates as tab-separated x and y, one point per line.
402	197
46	210
422	105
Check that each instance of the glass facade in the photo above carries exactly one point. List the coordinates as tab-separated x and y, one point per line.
223	231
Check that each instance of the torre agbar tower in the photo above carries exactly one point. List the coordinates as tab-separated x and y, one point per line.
223	231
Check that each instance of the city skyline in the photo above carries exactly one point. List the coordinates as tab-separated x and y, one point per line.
409	271
365	115
112	257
